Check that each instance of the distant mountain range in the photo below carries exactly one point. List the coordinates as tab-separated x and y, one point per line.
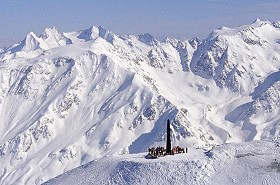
69	98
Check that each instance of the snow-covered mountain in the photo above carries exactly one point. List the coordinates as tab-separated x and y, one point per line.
69	98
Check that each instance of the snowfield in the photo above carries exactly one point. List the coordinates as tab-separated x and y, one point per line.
246	163
68	98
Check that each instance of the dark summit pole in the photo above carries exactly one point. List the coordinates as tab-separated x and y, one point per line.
168	139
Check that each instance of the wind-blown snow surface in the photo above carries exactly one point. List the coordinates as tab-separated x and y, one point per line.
69	98
247	163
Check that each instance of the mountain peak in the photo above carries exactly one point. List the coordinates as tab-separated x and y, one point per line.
226	31
148	39
30	43
94	32
48	32
257	20
54	38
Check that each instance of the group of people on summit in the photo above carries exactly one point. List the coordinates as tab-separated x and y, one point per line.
161	151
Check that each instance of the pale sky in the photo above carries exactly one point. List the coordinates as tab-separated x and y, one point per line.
182	19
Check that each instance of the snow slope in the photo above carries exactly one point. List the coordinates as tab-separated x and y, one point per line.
69	98
244	163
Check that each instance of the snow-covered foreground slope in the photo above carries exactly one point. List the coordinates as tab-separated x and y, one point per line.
69	98
251	163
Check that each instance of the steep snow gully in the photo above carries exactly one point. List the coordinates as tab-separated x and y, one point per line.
69	98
